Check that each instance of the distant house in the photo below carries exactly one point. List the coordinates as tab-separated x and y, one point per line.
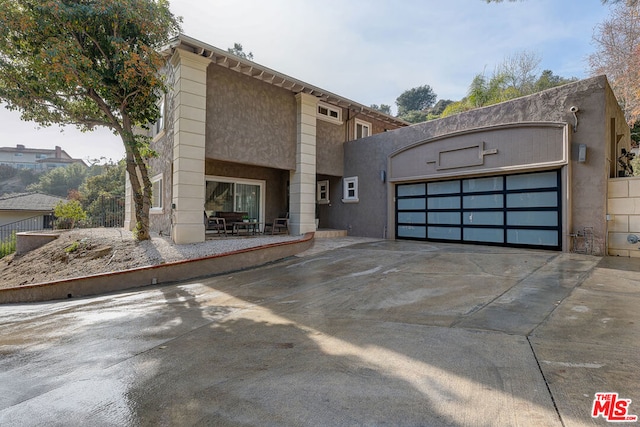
38	159
26	212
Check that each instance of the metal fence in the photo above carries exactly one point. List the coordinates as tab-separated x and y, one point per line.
35	223
105	212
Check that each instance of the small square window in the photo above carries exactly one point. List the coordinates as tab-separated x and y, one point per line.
350	190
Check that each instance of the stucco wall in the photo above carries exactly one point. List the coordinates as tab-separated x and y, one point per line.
365	158
249	121
329	152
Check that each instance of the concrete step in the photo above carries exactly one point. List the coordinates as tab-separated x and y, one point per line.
324	233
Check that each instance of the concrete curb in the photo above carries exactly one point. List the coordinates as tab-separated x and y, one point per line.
157	274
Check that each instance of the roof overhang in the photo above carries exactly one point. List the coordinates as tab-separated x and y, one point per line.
267	75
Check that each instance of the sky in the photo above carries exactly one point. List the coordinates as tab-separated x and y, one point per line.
369	51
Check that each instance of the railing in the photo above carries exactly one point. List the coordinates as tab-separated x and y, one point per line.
107	212
35	223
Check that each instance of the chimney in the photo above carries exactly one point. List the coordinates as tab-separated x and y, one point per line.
58	152
20	146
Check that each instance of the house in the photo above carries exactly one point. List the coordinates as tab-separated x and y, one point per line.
26	212
38	159
237	136
543	171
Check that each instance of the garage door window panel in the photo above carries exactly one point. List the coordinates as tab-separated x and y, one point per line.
532	237
484	235
547	199
412	231
532	218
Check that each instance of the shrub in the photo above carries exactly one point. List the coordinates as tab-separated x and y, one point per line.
8	246
68	213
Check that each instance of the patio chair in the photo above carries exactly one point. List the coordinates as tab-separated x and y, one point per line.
278	224
215	223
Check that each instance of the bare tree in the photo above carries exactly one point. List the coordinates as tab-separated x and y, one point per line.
520	70
617	42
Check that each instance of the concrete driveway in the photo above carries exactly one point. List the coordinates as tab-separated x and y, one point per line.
377	333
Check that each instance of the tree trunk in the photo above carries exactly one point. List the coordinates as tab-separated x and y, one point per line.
140	185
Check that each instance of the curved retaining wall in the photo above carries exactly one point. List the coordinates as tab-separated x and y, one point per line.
157	274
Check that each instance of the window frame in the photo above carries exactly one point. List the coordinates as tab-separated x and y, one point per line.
158	128
363	124
262	184
327	117
319	196
157	179
346	198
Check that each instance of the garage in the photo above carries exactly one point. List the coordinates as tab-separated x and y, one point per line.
519	210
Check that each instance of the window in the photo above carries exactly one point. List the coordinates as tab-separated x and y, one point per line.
329	113
350	193
158	127
235	195
322	192
156	193
363	129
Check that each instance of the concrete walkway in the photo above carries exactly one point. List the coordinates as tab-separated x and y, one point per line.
371	333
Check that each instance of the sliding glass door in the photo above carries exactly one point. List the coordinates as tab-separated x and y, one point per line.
234	195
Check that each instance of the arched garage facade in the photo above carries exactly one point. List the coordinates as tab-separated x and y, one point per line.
505	185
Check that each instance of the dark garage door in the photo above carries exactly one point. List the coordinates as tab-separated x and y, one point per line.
522	210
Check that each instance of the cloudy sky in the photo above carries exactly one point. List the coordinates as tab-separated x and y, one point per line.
369	51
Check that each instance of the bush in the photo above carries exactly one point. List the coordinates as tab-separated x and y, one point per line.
68	213
8	246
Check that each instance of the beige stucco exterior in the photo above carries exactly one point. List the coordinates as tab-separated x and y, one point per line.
230	118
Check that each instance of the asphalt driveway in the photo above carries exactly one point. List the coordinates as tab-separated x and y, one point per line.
377	333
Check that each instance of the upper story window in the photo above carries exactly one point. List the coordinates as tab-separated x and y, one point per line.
363	129
329	113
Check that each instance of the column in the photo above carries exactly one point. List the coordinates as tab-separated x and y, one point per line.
189	117
302	191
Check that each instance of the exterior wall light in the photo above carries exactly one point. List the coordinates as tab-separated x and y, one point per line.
574	110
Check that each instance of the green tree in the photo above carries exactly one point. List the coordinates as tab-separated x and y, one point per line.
69	213
238	50
383	108
59	181
547	80
89	63
109	183
435	111
416	99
